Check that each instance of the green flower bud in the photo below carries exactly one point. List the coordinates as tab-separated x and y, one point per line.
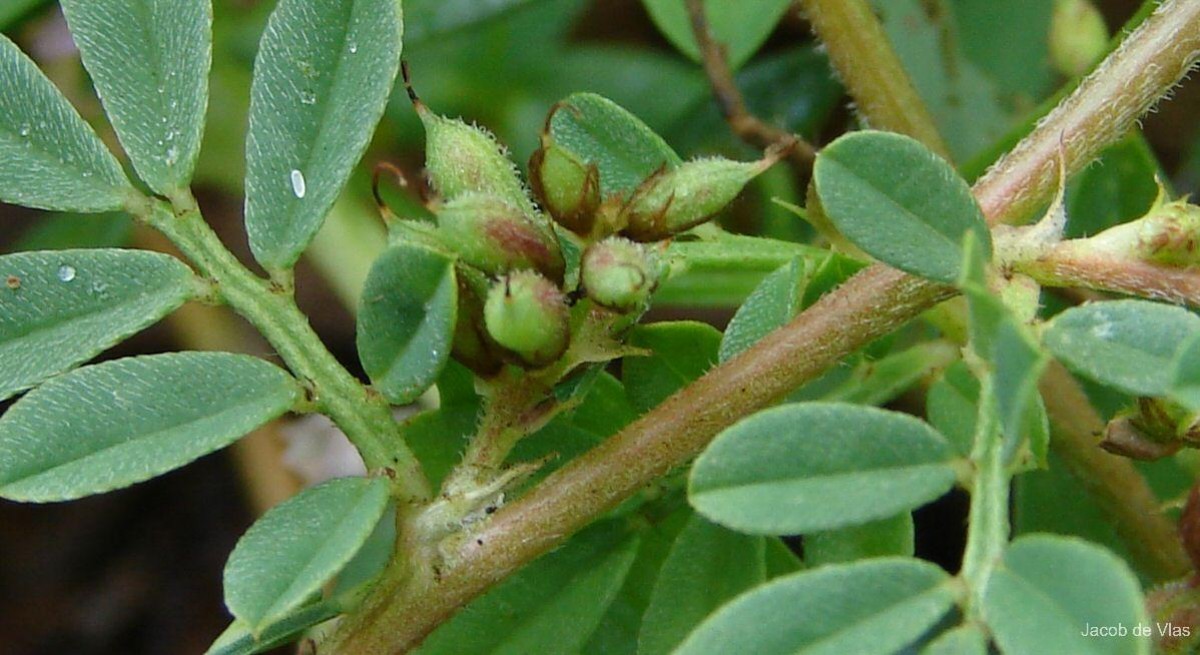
496	237
1078	36
672	201
565	186
462	158
528	315
619	274
1170	234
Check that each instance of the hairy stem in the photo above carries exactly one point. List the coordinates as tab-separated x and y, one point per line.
1071	264
1101	110
861	53
988	525
397	616
364	417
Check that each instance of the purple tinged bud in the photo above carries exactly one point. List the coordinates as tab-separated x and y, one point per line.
528	315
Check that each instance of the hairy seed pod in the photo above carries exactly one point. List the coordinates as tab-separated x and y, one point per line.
565	186
672	201
619	274
1078	36
494	236
462	158
528	315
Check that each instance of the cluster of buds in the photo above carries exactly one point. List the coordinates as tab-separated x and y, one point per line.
515	287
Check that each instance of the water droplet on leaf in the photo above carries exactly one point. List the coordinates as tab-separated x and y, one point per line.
66	273
298	185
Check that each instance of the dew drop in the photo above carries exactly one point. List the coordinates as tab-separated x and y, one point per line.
298	184
353	47
308	98
66	273
24	130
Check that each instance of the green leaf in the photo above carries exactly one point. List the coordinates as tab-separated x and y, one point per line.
149	60
878	381
617	632
680	352
322	77
819	466
108	426
707	566
406	320
239	640
952	406
885	537
1127	344
1017	365
899	202
1185	379
427	19
599	132
774	303
60	308
740	27
67	231
1049	589
50	158
298	546
970	109
867	608
550	606
963	640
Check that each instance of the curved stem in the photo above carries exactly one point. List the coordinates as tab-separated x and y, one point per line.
364	416
1102	109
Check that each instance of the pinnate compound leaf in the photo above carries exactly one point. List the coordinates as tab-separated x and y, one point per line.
874	607
819	466
322	77
707	566
899	202
406	320
50	158
1048	589
108	426
149	60
60	308
622	147
551	606
298	546
1127	344
741	27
